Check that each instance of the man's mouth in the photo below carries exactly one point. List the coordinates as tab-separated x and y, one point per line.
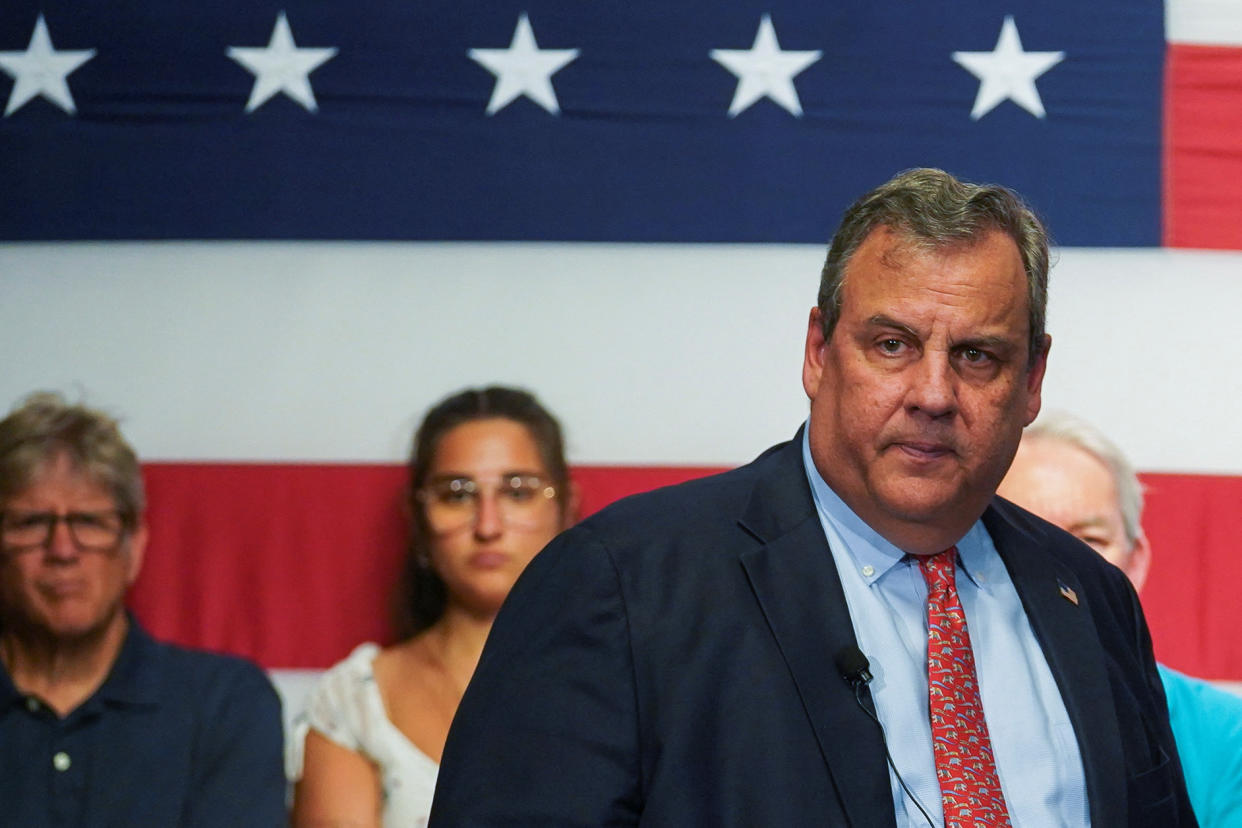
924	451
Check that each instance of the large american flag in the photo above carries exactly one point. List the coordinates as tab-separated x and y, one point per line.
269	236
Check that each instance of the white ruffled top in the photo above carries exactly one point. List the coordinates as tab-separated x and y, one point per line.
347	708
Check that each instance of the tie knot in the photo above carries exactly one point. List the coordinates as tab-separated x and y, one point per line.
938	568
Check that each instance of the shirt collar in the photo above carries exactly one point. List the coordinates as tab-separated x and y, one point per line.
133	680
873	555
135	677
9	693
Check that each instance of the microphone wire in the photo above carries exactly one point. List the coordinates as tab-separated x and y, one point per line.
858	685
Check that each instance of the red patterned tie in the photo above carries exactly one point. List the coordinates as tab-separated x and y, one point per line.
969	787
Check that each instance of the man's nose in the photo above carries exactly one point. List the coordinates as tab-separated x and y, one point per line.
933	385
60	542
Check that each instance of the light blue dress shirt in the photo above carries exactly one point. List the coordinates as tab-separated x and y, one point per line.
1037	756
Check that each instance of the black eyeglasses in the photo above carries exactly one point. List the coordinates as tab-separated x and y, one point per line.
97	531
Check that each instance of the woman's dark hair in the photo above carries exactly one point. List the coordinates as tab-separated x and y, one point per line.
421	595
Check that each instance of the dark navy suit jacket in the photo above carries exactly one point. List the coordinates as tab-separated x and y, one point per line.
669	662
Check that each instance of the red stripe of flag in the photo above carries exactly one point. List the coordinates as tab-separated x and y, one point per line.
293	565
1203	147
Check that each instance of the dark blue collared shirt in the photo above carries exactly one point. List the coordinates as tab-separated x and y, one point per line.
173	737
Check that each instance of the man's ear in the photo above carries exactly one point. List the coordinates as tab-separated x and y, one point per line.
813	355
1035	380
136	548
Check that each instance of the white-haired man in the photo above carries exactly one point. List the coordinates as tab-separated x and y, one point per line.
1069	473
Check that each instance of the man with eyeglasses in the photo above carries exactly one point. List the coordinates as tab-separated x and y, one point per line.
99	723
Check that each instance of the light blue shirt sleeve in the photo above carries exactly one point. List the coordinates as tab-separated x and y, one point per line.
1207	727
1037	755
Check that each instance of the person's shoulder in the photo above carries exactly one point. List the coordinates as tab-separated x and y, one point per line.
347	677
208	673
215	696
361	661
1202	694
346	704
703	501
1207	725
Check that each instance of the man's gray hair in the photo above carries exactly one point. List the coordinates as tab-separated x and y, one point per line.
935	209
1071	430
44	425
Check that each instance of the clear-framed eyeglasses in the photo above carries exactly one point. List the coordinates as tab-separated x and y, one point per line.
23	531
452	503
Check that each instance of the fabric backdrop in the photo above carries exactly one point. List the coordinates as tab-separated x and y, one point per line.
270	236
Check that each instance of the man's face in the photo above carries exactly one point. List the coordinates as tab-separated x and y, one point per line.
919	398
1074	490
60	590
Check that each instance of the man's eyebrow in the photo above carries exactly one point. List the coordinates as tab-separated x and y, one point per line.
1091	522
881	320
990	343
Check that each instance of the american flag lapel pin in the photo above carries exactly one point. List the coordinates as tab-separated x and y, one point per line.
1067	593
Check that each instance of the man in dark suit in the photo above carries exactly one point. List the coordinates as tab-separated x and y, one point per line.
673	660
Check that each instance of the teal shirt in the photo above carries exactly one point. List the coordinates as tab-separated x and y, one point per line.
1207	726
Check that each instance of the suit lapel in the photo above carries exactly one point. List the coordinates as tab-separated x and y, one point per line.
1058	609
795	582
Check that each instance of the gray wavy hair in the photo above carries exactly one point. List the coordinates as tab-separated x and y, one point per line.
44	425
933	208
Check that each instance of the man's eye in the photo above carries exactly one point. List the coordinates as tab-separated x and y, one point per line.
27	521
87	520
890	346
975	355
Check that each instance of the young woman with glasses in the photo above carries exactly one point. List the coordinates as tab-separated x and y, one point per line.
489	487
